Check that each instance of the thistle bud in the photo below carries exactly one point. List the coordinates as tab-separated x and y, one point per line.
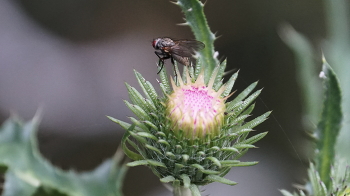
191	136
195	109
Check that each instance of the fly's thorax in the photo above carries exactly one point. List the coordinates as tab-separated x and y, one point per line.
166	42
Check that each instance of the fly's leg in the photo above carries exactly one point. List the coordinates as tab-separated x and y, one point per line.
162	56
161	64
173	62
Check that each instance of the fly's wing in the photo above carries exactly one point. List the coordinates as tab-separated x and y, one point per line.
183	60
186	48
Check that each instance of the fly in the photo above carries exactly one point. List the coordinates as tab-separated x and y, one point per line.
181	50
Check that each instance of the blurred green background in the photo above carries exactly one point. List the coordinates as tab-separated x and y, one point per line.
72	57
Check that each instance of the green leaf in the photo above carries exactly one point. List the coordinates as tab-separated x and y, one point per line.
137	110
167	179
136	98
255	122
132	155
153	126
147	88
137	163
156	163
229	85
238	110
255	138
238	120
195	191
241	96
186	180
286	193
329	126
216	178
16	186
215	161
28	170
137	123
153	149
248	110
147	135
219	75
164	82
125	125
207	171
240	146
149	162
230	149
318	186
47	191
236	163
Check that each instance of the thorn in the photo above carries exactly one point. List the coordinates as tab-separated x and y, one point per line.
205	2
217	36
176	2
322	75
38	114
184	24
216	54
212	36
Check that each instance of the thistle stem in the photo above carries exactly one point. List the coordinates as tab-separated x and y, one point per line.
195	18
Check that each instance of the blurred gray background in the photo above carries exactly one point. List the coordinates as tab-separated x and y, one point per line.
72	57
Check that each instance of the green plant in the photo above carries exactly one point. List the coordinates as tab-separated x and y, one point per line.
328	173
27	173
190	135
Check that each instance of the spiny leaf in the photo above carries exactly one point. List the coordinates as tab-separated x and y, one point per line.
156	163
139	124
215	161
248	110
137	163
137	110
236	163
245	104
220	74
329	126
167	179
255	138
240	146
19	151
195	191
147	87
241	96
132	155
230	149
255	122
286	193
135	97
153	149
186	180
229	85
216	178
153	126
164	82
147	135
15	186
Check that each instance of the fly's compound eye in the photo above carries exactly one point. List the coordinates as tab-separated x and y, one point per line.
155	44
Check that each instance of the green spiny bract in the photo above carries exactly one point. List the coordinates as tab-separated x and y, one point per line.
173	154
